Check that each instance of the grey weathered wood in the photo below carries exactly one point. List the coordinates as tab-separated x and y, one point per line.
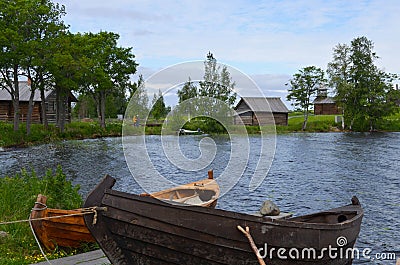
96	257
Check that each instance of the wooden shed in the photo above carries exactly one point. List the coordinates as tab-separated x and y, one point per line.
261	111
7	109
324	105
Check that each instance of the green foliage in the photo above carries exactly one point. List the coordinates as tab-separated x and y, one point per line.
212	93
17	197
206	125
85	107
138	101
73	130
158	109
303	86
217	82
363	91
25	28
188	91
108	69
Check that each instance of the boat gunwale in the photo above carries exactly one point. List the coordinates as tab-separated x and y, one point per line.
249	217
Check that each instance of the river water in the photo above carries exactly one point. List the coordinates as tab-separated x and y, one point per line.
309	173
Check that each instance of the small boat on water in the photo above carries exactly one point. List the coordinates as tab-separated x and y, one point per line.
190	132
133	229
67	228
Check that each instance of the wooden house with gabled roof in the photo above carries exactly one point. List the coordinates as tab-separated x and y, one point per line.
261	111
7	109
325	105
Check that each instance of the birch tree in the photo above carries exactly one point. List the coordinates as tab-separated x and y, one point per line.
303	86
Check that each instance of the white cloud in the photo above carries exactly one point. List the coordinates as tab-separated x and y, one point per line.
268	40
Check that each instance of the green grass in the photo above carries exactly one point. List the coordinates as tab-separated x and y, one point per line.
17	197
73	130
316	123
82	130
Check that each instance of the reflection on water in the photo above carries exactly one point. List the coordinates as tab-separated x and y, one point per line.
310	172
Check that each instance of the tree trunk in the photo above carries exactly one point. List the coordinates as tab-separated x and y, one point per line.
96	99
62	112
303	128
343	125
30	110
58	95
60	109
15	99
43	109
103	109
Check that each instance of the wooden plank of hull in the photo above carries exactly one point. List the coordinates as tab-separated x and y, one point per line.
210	221
181	238
69	231
141	230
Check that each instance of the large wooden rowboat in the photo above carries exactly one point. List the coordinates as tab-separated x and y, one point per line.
134	229
70	230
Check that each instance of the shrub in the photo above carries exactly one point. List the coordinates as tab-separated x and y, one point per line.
17	197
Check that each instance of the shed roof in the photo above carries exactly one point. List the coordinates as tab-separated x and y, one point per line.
264	104
24	93
324	100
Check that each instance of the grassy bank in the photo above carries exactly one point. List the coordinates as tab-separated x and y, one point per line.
83	130
17	197
73	130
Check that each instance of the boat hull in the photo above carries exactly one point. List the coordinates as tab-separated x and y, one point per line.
143	230
68	231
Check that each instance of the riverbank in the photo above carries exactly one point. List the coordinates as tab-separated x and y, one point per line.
39	135
17	196
91	130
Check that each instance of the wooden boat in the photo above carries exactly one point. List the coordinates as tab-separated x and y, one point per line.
190	132
203	193
68	231
133	229
71	230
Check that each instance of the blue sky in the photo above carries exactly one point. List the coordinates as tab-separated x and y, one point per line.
267	40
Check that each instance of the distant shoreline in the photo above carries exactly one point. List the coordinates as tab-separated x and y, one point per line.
78	130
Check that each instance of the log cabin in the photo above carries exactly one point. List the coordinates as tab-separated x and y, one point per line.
261	111
324	105
7	109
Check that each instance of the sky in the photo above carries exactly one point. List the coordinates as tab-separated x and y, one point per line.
267	40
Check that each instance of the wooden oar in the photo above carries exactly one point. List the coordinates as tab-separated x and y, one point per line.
252	244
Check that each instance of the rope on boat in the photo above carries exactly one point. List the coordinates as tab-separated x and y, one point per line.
37	241
85	211
252	244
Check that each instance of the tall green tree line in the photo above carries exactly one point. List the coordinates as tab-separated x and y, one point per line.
35	43
364	93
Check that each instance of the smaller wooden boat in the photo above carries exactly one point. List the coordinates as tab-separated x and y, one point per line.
67	228
67	231
203	193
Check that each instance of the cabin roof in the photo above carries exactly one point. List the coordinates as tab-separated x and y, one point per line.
263	104
25	93
324	100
